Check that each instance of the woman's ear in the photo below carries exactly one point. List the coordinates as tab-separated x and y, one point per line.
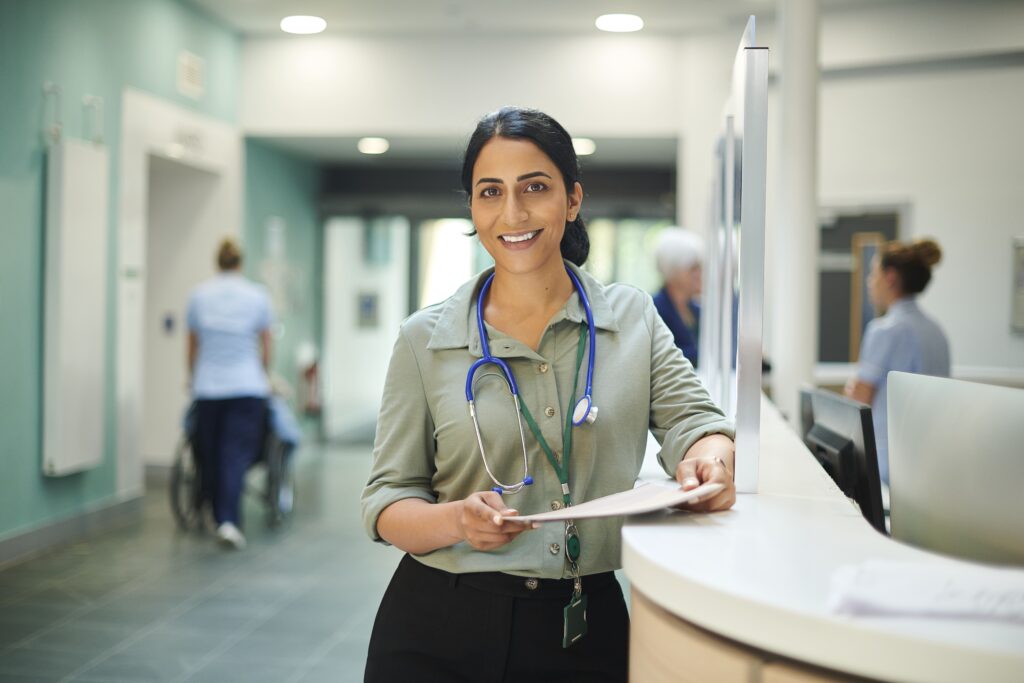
892	279
575	201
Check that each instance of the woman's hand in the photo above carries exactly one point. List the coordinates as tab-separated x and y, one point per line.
710	460
480	523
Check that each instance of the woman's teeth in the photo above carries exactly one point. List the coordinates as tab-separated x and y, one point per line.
520	238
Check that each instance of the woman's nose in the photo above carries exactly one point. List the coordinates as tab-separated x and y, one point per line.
515	213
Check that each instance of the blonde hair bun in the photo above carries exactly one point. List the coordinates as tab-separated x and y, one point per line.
229	254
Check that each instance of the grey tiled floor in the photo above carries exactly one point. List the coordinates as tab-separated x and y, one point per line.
148	603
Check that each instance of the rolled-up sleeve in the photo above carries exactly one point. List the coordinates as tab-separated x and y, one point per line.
682	412
403	451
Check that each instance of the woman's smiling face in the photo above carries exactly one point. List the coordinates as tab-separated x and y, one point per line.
519	205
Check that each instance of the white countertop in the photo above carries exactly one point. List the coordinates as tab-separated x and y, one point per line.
760	573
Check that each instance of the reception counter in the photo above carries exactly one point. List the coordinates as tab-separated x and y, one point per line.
742	595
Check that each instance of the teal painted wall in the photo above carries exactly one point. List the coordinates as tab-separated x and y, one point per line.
280	186
95	47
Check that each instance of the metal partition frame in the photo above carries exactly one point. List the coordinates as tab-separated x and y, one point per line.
741	153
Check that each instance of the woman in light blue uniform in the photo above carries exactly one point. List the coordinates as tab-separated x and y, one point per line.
904	339
229	350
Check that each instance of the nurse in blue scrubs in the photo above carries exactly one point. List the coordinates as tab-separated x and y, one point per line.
905	338
679	256
229	321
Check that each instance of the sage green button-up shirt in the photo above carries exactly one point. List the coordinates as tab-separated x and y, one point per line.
426	446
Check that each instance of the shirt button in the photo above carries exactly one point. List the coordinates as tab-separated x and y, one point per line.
554	548
531	584
549	411
556	505
543	367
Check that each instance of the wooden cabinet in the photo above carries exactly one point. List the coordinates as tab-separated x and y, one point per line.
666	649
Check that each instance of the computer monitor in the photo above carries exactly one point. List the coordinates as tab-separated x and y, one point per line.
840	434
956	467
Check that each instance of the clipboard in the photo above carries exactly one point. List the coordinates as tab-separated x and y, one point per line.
647	497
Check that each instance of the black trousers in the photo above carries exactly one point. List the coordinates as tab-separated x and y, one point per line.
433	626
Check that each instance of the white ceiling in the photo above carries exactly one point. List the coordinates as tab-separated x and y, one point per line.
407	17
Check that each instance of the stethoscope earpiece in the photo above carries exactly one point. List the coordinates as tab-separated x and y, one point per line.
527	480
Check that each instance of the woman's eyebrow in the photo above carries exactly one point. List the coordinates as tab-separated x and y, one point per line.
521	178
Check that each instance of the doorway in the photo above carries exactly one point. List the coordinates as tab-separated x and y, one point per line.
153	128
180	243
841	274
366	285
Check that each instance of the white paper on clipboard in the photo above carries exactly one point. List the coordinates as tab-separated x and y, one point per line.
644	498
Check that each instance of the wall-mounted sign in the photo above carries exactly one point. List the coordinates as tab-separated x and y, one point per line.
367	309
191	74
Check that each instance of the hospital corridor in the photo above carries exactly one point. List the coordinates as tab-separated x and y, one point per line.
477	341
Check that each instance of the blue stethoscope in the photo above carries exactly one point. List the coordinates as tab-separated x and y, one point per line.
585	410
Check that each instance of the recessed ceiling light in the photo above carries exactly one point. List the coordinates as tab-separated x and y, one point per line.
373	145
619	23
584	146
303	25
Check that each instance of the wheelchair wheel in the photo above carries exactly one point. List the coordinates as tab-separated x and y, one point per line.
186	487
280	489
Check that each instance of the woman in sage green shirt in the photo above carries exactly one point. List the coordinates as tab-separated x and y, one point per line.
476	598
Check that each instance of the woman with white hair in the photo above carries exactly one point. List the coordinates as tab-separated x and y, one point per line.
679	255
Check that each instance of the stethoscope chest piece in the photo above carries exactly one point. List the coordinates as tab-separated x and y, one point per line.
585	411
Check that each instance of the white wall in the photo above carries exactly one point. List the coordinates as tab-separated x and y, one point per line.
324	86
183	233
950	146
356	358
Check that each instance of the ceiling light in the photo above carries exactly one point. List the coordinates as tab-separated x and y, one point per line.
303	25
619	23
584	146
373	145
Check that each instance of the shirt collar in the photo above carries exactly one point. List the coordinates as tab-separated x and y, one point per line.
456	328
904	305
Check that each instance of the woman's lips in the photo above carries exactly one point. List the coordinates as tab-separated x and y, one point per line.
519	240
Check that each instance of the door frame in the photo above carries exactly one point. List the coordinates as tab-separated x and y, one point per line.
154	126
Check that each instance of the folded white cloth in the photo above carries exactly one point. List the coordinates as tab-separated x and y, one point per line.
943	589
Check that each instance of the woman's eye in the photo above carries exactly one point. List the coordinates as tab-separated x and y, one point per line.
489	192
536	187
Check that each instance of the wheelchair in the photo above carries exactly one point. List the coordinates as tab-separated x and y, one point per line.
276	490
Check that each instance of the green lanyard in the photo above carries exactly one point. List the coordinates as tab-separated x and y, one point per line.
561	468
574	615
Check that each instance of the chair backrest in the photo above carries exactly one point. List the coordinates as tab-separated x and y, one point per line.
956	467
